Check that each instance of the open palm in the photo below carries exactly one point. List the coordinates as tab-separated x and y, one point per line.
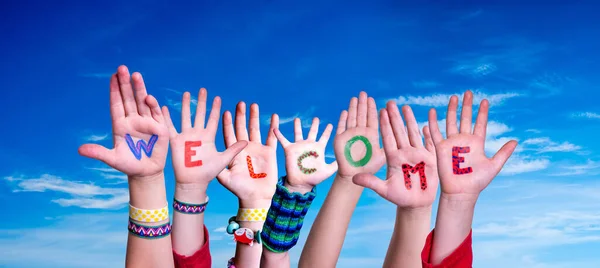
252	174
195	156
356	144
412	177
140	135
463	166
305	159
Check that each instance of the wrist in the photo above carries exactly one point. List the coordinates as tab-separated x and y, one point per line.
147	192
459	202
298	188
194	193
254	203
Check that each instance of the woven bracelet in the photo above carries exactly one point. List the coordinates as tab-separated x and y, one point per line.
285	217
188	208
149	232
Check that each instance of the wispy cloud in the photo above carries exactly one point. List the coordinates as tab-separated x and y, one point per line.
111	174
305	117
588	115
96	75
425	84
96	138
533	130
518	164
85	195
546	145
550	84
590	167
440	100
474	69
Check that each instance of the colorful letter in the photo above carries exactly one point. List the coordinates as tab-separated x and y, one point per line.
251	169
367	156
137	148
189	152
302	157
407	169
456	160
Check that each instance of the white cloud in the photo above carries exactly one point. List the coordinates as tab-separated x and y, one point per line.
588	115
221	229
441	100
111	174
85	195
305	118
570	170
517	164
95	138
550	84
425	84
475	69
546	145
533	130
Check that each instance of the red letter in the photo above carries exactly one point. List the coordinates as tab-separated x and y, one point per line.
189	152
456	160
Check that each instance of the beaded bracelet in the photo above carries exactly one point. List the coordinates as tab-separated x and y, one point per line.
230	263
149	232
241	234
285	218
149	215
188	208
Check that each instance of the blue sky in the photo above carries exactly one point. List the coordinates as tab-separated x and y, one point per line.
536	64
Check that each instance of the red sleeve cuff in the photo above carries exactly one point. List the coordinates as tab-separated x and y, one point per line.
462	257
200	259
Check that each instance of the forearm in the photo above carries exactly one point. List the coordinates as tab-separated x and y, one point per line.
327	234
410	231
247	256
453	224
148	193
188	229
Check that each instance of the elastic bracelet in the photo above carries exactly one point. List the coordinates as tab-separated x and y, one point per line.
251	214
149	215
149	232
241	234
285	217
188	208
230	263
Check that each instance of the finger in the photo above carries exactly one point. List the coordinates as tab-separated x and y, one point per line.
117	110
254	123
397	125
342	123
213	118
186	114
172	130
326	134
352	111
126	90
284	142
428	140
140	94
414	136
361	117
370	181
451	128
371	113
240	122
154	108
228	133
232	151
331	168
298	136
434	129
201	109
98	152
482	119
466	115
224	177
503	154
387	135
271	139
314	130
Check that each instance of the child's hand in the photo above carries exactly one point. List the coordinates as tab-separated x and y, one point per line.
305	159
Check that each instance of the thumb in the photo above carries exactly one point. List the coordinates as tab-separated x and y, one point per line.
233	151
98	152
370	181
224	177
331	168
503	154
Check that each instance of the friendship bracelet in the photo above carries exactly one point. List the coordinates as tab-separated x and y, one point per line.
188	208
285	218
241	234
251	214
149	215
149	232
230	263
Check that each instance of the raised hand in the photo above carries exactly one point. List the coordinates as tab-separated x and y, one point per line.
356	144
195	156
140	135
464	168
305	158
412	177
252	174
